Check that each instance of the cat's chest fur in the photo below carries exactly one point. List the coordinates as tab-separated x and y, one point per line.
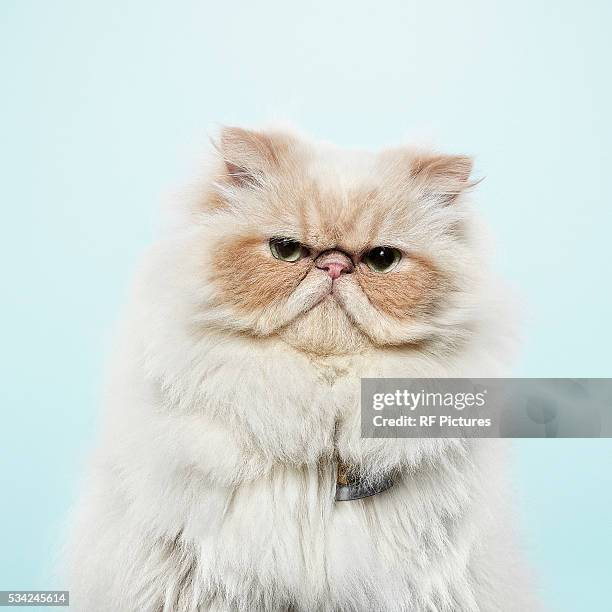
283	538
250	498
225	499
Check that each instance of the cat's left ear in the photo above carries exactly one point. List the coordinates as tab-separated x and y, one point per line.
248	155
442	177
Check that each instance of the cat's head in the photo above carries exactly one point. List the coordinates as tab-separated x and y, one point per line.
336	251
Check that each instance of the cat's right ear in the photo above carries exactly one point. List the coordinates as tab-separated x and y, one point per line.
248	156
442	177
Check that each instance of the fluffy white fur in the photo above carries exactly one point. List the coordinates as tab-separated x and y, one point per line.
212	484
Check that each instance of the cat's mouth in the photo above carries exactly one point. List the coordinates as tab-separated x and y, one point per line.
328	295
336	317
324	324
339	319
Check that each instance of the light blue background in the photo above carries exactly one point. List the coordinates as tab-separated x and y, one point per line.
106	105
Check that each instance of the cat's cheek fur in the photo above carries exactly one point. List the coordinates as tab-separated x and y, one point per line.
249	278
411	290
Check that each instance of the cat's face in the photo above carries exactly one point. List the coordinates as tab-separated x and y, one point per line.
333	251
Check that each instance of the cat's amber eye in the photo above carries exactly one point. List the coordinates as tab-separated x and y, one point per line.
382	259
287	249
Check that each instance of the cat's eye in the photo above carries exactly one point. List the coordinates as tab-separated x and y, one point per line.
287	249
382	259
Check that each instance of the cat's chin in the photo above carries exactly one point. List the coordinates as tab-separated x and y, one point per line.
325	329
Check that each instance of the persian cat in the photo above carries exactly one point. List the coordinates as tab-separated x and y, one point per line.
234	396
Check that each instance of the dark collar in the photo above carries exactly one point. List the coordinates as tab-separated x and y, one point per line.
351	485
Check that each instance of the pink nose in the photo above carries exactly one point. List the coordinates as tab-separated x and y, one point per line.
334	263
